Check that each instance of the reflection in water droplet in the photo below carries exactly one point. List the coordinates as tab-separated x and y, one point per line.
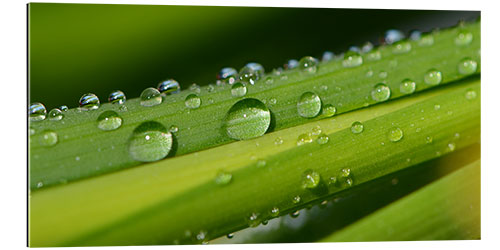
295	214
109	120
89	102
63	108
149	142
117	97
150	97
304	138
291	64
248	118
169	86
309	105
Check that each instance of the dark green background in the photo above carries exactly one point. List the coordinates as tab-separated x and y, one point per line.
80	48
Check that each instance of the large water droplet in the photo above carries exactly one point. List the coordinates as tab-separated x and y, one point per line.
223	178
392	36
228	75
117	97
109	120
407	86
309	105
463	38
395	134
55	115
248	118
467	66
169	86
433	77
357	127
192	101
149	142
89	101
352	59
401	47
150	97
48	138
381	92
238	89
308	64
310	179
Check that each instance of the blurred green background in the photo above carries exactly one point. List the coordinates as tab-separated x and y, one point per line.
80	48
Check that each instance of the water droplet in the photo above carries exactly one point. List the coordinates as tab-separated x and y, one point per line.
428	139
272	101
367	47
467	66
369	73
238	89
451	146
395	134
349	182
332	180
37	112
352	59
32	131
295	214
264	222
309	105
253	220
327	56
407	86
357	127
230	236
169	86
89	101
463	38
381	92
316	130
382	74
173	129
63	108
308	64
192	101
49	138
109	120
345	172
392	36
150	97
296	199
278	141
415	35
426	40
201	235
39	184
401	47
329	110
227	75
117	97
304	138
275	211
251	73
223	178
437	107
291	64
248	118
210	88
310	179
269	80
55	115
149	142
374	55
433	77
261	163
77	158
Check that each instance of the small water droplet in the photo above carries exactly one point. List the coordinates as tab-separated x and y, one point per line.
381	92
345	172
227	75
437	107
149	142
248	118
349	182
210	88
37	112
393	35
309	105
230	236
374	55
395	134
63	108
304	138
39	184
467	66
295	214
355	49
89	101
192	101
150	97
367	47
173	129
401	47
296	199
269	80
407	86
426	40
238	89
272	101
463	38
327	56
201	235
451	146
278	141
261	163
323	139
109	120
382	74
369	73
329	110
275	211
49	138
457	135
169	86
77	158
251	73
332	180
253	220
55	115
433	77
352	59
357	127
415	35
308	64
428	139
470	94
316	130
223	178
310	179
291	64
117	97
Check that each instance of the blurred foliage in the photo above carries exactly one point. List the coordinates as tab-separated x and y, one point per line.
80	48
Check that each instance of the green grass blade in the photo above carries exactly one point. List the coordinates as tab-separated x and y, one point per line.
448	209
178	199
83	150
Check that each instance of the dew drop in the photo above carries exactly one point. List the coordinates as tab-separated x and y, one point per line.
316	130
463	38
269	80
296	199
327	56
415	35
109	120
426	40
310	179
39	184
352	59
451	146
295	214
433	77
117	97
55	115
381	92
291	64
63	108
374	55
201	235
470	94
150	97
401	47
392	36
227	75
251	73
428	139
89	102
173	129
367	47
309	105
357	127
169	86
395	134
32	131
247	118
329	110
192	101
49	138
223	178
308	64
149	142
278	141
332	180
253	220
37	112
304	138
230	236
238	89
467	66
275	211
437	107
407	86
345	172
382	74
